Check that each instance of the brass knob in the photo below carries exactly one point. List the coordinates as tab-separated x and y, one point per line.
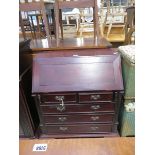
94	118
63	128
59	98
94	128
95	97
60	107
95	107
62	119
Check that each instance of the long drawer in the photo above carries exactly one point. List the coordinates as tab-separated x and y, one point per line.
80	118
76	108
81	128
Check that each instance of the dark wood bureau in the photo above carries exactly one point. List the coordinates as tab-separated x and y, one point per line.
77	96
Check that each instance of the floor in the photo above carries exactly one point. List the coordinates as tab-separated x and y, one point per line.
84	146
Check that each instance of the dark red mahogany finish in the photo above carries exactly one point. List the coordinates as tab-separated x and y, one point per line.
70	89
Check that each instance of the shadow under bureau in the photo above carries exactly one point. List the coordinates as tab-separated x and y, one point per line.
77	96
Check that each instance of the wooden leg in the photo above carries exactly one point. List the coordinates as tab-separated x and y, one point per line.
45	21
56	22
31	30
33	27
42	26
22	25
61	24
110	26
105	21
48	17
77	23
38	26
81	30
78	27
96	28
53	22
94	20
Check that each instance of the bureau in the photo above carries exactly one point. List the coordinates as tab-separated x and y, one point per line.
77	96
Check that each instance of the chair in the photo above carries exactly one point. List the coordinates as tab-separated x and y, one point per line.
116	15
129	24
26	25
85	21
62	4
40	6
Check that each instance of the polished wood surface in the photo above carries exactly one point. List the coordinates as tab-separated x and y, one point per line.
76	52
77	85
85	146
70	74
68	43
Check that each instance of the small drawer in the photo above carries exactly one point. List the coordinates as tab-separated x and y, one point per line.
95	97
81	128
81	118
57	98
77	108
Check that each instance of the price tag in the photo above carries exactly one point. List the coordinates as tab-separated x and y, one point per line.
40	147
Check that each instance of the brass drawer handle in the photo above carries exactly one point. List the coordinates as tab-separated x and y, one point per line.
63	128
62	119
94	128
61	108
94	118
59	98
95	107
95	97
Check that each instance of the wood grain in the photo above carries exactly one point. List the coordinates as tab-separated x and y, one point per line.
76	74
69	43
85	146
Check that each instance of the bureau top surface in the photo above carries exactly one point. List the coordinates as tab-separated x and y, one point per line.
70	74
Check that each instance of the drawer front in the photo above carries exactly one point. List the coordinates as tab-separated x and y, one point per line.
57	98
82	128
77	108
85	118
95	97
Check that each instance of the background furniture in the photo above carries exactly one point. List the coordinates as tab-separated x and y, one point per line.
72	100
114	17
129	25
62	4
127	117
26	26
85	21
28	117
40	6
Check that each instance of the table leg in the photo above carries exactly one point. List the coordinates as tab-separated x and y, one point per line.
61	24
33	27
45	21
38	26
22	25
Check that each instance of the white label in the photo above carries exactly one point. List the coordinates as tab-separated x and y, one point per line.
40	147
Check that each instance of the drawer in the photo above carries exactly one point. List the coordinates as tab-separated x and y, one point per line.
57	98
77	108
95	97
81	128
82	118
